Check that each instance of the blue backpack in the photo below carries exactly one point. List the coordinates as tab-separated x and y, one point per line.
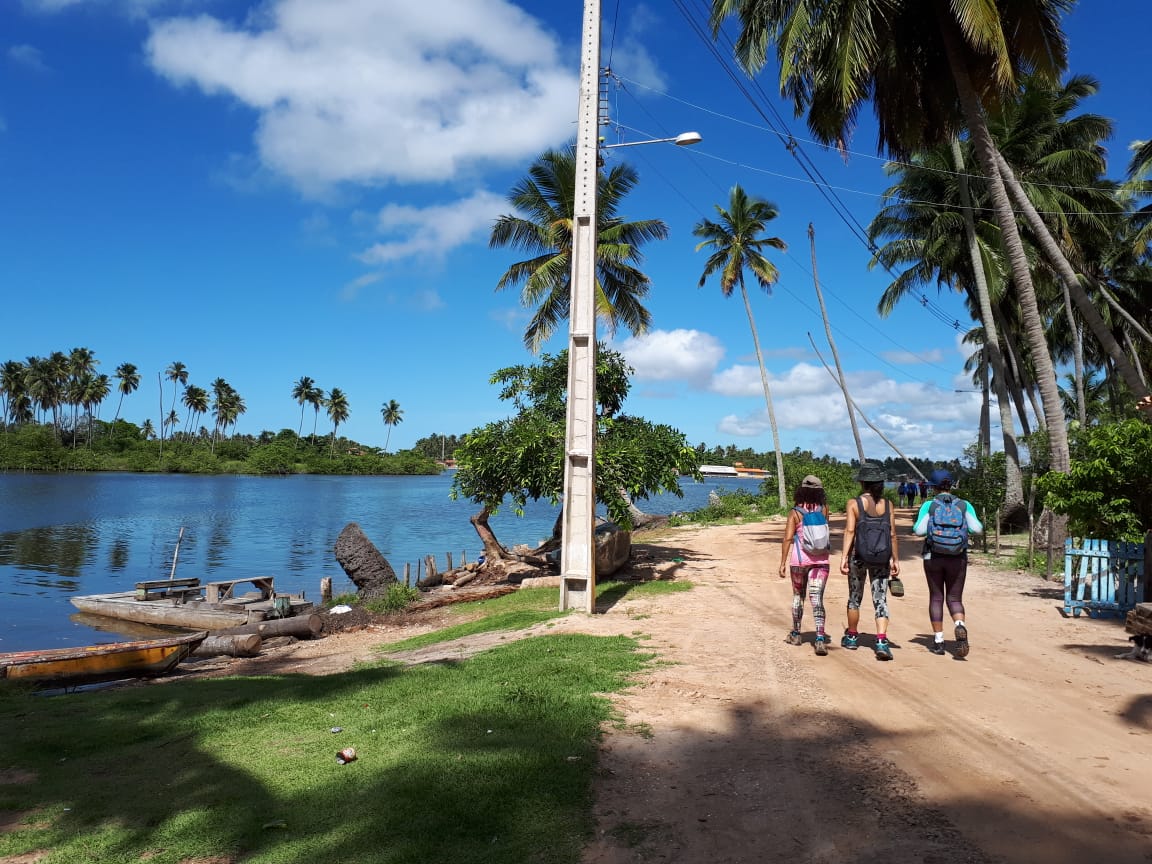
812	533
947	525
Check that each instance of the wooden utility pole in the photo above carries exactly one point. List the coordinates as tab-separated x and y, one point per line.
832	344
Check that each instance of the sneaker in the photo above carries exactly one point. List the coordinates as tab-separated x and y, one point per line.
883	651
937	648
896	587
821	646
961	640
850	642
793	638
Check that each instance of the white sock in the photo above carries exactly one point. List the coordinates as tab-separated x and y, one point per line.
960	623
939	638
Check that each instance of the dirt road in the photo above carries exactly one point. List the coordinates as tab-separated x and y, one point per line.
741	748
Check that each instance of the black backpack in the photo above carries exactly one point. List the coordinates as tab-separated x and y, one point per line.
873	544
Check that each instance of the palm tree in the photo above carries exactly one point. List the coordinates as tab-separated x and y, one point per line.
12	388
546	197
147	431
317	400
196	401
393	416
94	390
177	373
928	69
337	404
736	242
129	381
301	392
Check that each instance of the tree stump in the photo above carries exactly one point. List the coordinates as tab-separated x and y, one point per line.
369	571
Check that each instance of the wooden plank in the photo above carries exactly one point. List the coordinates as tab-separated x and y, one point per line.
1068	576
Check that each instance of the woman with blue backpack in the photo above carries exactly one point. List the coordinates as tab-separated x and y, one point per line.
804	555
945	523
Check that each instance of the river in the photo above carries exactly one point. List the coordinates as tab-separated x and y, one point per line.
62	535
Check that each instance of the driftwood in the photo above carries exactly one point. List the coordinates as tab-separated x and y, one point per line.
432	577
237	645
369	571
302	626
447	598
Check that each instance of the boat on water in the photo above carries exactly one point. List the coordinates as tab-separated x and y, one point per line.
94	663
187	604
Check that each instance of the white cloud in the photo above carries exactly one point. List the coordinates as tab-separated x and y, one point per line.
905	358
673	355
434	230
352	289
348	91
511	318
630	55
28	56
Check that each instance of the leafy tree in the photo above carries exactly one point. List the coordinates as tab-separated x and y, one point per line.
736	243
128	379
393	415
546	197
1105	494
177	373
337	404
984	483
522	457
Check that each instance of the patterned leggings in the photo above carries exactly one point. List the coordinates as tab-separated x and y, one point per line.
857	571
814	577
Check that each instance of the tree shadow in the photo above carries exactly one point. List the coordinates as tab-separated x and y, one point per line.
1138	712
766	786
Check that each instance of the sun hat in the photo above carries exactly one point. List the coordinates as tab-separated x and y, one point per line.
811	482
870	472
939	476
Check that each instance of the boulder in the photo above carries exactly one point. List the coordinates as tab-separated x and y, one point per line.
369	571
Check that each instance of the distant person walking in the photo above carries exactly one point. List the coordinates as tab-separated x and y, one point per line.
945	523
804	554
870	551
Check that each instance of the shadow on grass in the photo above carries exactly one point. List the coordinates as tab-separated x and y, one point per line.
486	760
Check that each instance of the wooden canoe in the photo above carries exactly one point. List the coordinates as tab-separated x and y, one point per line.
99	662
188	611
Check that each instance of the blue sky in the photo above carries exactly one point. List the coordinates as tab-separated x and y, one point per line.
294	187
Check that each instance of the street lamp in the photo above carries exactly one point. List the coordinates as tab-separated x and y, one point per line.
684	139
578	541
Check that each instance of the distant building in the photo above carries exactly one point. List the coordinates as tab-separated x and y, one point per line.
718	471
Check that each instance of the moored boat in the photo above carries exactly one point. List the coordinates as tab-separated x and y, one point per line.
188	604
94	663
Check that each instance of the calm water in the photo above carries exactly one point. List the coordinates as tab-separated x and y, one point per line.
64	535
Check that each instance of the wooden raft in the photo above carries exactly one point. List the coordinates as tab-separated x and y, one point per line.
1139	620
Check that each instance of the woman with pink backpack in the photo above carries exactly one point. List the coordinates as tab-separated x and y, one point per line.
804	555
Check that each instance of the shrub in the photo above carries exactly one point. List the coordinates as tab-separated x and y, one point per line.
396	599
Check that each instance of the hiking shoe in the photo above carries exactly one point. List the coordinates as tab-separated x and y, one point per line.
793	638
821	646
961	640
883	650
896	587
850	642
937	648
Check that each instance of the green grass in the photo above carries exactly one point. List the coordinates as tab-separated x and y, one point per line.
524	608
488	760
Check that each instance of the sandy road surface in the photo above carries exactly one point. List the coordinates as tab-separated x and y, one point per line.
1036	748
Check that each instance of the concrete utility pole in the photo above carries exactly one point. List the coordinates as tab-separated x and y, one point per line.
578	549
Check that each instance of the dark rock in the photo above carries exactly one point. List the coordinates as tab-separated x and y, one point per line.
369	571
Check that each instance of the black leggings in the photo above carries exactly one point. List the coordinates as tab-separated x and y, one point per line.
945	576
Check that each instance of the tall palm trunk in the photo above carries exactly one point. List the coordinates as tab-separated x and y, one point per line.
1014	483
1013	246
767	399
832	344
1084	305
985	442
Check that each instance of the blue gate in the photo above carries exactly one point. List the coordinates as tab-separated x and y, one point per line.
1104	577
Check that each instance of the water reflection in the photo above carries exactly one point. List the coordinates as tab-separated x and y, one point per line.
64	550
118	555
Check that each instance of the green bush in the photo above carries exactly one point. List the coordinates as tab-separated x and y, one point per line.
395	600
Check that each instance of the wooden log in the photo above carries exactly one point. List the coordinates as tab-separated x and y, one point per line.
302	627
326	589
1139	620
464	578
447	598
238	645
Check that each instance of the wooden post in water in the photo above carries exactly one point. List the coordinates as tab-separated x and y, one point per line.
326	589
430	570
407	574
449	555
463	560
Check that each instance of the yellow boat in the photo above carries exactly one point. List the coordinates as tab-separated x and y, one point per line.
93	663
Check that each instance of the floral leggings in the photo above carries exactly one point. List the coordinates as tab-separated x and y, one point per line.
857	571
814	578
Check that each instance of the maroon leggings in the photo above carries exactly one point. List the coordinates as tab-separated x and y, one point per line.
945	577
